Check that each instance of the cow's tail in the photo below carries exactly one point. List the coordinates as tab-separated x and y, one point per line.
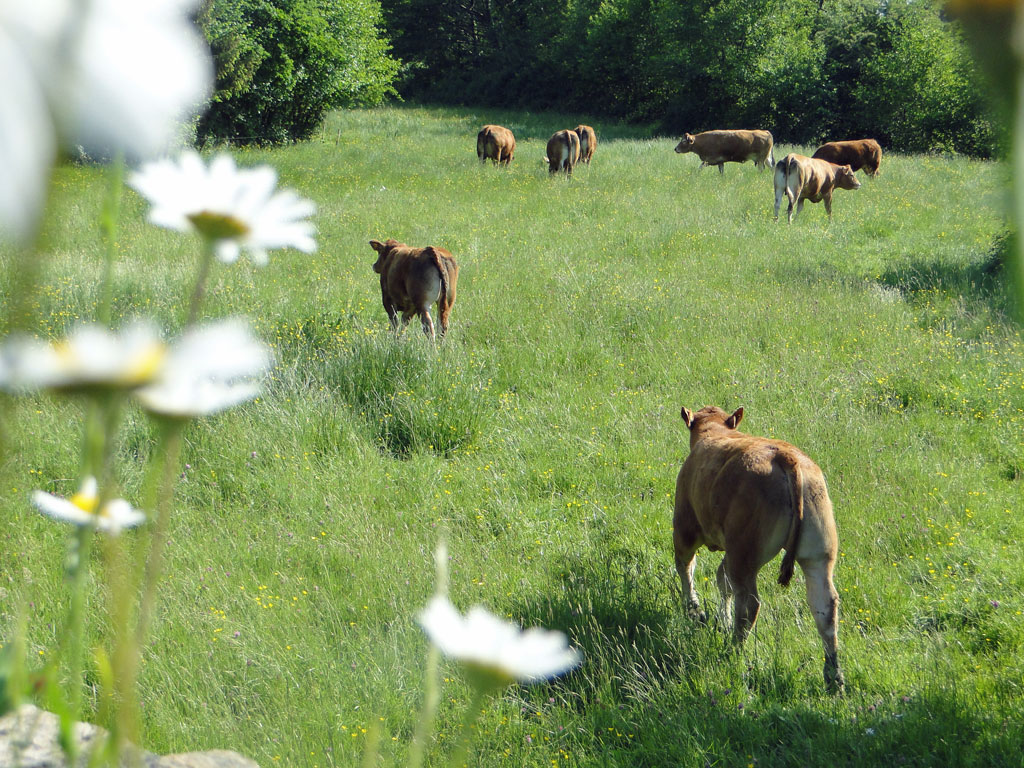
792	182
442	299
792	468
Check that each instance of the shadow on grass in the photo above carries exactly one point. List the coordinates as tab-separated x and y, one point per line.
656	689
982	282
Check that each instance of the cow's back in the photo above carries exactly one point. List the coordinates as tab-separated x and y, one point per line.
733	145
740	489
858	153
412	278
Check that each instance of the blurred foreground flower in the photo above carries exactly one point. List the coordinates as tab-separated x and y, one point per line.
110	75
209	369
90	358
494	652
228	207
83	509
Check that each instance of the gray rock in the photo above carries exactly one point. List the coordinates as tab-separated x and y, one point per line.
28	739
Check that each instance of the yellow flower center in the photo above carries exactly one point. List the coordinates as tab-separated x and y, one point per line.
218	226
145	365
85	501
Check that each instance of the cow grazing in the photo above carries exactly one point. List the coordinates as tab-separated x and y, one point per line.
411	279
862	153
563	152
588	141
751	497
721	147
802	178
497	143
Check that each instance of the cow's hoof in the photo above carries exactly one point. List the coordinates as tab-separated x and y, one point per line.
695	613
834	681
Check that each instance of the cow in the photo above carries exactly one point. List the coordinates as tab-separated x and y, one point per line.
751	497
563	152
802	178
721	147
497	143
861	153
588	141
411	279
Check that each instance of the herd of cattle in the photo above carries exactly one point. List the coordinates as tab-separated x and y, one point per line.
750	497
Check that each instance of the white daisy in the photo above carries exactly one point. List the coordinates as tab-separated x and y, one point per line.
91	357
230	207
105	74
493	649
209	369
83	509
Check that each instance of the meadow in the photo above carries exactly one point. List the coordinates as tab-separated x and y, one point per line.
542	441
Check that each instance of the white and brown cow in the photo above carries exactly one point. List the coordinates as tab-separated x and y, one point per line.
412	279
858	153
588	142
563	152
720	147
752	497
497	143
802	178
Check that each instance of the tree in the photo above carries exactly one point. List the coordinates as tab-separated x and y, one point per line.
282	64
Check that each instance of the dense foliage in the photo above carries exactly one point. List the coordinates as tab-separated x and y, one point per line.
805	69
282	64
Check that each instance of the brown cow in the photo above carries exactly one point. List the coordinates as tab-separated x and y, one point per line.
588	141
497	143
861	153
563	152
720	147
411	279
802	178
751	497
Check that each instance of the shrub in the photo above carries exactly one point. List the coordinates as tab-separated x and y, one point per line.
282	64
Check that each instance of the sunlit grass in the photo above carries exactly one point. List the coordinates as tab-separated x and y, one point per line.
544	437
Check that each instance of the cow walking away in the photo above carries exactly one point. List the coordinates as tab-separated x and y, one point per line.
412	279
588	141
861	153
497	143
802	178
721	147
563	152
752	497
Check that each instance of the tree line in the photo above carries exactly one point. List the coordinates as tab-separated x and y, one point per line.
808	70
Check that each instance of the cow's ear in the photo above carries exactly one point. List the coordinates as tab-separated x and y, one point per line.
734	421
687	417
377	245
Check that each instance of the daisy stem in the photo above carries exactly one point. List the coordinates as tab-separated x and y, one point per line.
458	758
1017	270
109	217
167	466
205	261
431	698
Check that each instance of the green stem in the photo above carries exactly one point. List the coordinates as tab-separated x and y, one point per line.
205	262
431	699
458	758
1017	269
171	447
109	217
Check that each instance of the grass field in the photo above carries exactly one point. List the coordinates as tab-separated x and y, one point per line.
542	439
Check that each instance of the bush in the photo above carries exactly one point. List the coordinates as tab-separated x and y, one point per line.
282	64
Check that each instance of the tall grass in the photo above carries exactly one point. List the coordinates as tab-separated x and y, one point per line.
544	437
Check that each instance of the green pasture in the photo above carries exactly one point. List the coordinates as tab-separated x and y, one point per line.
543	438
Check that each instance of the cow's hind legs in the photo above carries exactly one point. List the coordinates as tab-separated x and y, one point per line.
824	602
428	324
725	591
748	603
686	563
